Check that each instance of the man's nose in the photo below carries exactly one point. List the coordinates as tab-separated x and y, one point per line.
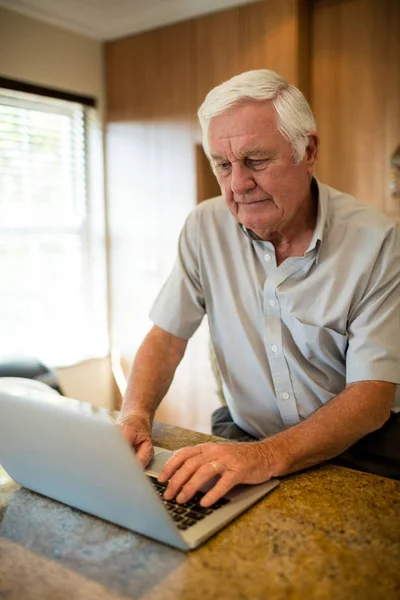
241	179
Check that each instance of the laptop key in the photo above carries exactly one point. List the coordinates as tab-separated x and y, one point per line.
192	514
216	505
220	502
198	496
177	518
204	511
179	510
189	522
224	500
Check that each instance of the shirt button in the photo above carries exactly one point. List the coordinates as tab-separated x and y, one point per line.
267	257
285	396
272	302
274	348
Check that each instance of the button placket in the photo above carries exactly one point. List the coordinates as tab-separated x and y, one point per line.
284	393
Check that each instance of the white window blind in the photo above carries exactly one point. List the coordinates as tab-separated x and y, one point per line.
52	242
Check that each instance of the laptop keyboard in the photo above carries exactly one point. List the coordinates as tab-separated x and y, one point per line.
188	514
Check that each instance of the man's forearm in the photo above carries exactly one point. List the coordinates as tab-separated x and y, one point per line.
152	373
360	409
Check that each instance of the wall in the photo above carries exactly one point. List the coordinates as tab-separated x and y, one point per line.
155	82
355	78
90	381
42	54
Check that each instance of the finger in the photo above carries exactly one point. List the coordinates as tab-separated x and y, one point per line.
222	487
202	475
176	461
144	453
182	475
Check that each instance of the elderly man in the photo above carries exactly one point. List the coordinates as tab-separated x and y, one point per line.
301	285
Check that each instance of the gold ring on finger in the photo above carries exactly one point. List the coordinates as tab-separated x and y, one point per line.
216	466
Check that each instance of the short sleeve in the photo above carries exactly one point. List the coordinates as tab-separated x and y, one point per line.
374	324
180	307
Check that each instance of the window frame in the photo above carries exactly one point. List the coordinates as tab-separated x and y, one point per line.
85	231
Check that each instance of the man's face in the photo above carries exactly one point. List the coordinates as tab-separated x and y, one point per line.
259	180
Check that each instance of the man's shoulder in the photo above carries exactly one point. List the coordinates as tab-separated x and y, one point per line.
347	211
214	215
212	207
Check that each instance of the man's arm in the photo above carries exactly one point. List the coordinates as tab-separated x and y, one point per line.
152	372
362	408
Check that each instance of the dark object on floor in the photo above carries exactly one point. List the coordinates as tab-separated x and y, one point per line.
30	368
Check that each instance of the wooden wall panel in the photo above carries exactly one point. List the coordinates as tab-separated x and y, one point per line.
216	53
151	75
269	37
355	94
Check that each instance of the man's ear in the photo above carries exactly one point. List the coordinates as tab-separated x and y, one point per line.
311	154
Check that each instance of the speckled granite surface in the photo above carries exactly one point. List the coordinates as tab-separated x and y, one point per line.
328	533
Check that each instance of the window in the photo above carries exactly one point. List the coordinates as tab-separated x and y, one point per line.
52	241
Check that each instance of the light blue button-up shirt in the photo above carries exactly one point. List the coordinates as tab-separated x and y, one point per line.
289	338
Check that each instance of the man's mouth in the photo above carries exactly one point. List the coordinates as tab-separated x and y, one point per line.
253	202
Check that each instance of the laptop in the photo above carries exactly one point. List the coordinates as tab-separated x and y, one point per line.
74	453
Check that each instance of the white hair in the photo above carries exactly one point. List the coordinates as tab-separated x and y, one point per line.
294	117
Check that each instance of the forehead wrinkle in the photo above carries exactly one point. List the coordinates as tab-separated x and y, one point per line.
244	153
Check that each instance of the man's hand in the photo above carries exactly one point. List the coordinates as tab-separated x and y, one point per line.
137	431
190	468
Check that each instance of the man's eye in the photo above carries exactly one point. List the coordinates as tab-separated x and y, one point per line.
257	163
224	166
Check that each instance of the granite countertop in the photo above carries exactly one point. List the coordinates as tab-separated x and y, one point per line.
327	533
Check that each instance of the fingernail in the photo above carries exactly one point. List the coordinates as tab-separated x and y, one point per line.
168	495
181	498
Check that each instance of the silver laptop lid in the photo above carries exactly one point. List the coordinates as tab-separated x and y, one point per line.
53	446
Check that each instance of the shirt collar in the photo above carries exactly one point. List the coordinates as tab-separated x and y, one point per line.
321	193
322	198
